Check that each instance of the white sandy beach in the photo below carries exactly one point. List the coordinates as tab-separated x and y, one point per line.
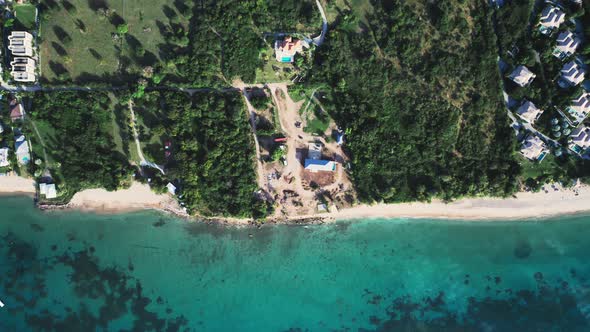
13	184
137	197
525	205
548	202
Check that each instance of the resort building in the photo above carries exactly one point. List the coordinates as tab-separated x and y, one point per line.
522	76
551	18
23	69
571	75
529	112
22	150
286	49
48	190
580	107
579	140
314	162
533	148
567	43
20	43
4	157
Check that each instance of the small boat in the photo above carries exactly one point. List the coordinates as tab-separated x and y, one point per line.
1	304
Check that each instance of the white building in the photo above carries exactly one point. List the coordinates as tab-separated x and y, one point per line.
529	112
572	73
22	150
533	148
580	140
567	43
4	157
23	69
48	190
522	76
314	162
551	18
580	107
171	188
20	43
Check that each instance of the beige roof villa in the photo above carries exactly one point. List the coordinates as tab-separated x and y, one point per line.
529	112
572	73
567	43
20	43
23	69
581	136
551	17
533	148
522	76
287	48
580	107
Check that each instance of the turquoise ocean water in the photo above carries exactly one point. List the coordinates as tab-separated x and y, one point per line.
69	271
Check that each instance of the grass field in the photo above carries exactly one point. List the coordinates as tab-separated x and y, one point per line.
25	16
79	40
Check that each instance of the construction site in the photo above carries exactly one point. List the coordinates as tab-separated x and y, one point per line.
302	167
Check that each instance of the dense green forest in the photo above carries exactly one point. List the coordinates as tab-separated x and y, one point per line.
78	139
212	157
227	36
418	90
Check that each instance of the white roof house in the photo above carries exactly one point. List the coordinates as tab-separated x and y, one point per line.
314	162
567	43
20	43
529	112
522	76
533	148
23	69
48	189
4	157
551	17
572	73
22	150
171	188
580	139
580	107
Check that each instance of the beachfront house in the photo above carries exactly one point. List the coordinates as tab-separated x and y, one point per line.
566	44
533	148
48	190
571	75
171	188
522	76
22	150
580	108
551	18
4	157
23	69
579	140
529	112
286	49
20	43
17	111
315	163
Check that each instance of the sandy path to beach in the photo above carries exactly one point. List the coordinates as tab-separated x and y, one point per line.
15	184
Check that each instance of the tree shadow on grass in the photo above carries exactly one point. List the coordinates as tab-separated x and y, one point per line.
181	7
98	4
61	34
116	20
59	49
95	54
169	12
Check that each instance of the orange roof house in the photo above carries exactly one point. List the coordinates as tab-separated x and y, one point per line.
287	48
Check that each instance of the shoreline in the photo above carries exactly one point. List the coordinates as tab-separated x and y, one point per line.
552	201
